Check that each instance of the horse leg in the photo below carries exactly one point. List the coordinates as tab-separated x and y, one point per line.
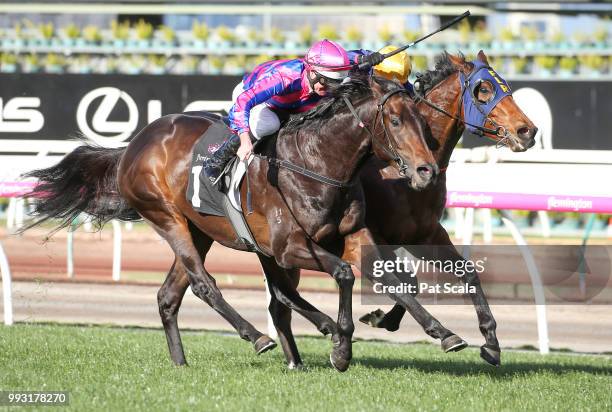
175	228
283	284
352	253
303	253
281	316
389	321
169	299
490	351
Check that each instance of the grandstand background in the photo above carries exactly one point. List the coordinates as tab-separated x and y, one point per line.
565	42
60	59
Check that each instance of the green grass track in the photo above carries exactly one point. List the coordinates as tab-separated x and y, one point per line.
114	369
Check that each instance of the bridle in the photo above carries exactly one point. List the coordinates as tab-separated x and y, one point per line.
474	106
388	147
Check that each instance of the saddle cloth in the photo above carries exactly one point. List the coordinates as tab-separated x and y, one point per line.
223	199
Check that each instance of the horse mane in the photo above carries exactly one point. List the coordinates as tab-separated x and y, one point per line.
444	67
358	87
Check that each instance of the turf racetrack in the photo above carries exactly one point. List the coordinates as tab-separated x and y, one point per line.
129	369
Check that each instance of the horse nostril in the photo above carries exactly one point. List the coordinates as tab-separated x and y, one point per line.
526	133
425	171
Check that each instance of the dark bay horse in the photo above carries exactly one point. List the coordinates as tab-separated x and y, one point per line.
397	215
300	222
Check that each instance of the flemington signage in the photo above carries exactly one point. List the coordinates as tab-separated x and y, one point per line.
111	108
105	108
523	201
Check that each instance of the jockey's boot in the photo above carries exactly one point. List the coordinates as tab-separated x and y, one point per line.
215	164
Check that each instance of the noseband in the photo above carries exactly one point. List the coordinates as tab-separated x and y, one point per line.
388	147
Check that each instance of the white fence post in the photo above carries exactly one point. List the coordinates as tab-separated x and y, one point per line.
468	226
6	288
536	282
10	214
459	222
116	250
70	251
19	212
487	226
544	222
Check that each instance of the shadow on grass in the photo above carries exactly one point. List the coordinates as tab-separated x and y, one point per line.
457	367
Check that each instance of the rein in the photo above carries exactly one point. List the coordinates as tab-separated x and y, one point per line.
274	161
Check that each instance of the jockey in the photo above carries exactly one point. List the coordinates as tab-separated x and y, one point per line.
273	88
397	67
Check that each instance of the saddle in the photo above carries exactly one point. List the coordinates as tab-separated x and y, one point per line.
224	198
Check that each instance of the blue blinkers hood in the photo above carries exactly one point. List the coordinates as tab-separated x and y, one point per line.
475	112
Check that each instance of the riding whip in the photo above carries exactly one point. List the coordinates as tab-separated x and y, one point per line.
365	65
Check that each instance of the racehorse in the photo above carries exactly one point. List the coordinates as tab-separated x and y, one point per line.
398	215
309	215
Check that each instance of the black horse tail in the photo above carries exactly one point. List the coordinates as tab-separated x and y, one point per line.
85	181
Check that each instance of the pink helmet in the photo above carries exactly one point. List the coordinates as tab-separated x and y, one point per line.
329	59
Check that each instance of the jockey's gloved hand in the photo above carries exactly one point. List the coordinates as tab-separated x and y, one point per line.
372	59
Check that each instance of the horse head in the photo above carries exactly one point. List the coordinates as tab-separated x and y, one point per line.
400	135
488	106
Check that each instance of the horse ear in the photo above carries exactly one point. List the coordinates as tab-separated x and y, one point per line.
458	62
482	57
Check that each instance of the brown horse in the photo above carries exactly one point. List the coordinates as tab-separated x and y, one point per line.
398	215
300	221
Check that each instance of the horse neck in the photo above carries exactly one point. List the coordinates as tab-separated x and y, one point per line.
334	150
446	130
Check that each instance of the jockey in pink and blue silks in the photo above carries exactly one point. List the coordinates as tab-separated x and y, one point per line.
273	88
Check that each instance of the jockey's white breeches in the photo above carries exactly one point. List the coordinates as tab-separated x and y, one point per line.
262	120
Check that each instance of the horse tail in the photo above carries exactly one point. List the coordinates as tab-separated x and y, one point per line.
84	181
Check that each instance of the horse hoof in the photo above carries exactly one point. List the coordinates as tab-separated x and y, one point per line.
295	366
339	363
264	344
491	355
453	343
373	319
377	319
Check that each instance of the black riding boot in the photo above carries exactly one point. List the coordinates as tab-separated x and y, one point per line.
215	164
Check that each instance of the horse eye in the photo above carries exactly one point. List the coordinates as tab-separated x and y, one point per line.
395	121
484	95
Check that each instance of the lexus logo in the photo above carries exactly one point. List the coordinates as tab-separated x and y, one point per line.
102	130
